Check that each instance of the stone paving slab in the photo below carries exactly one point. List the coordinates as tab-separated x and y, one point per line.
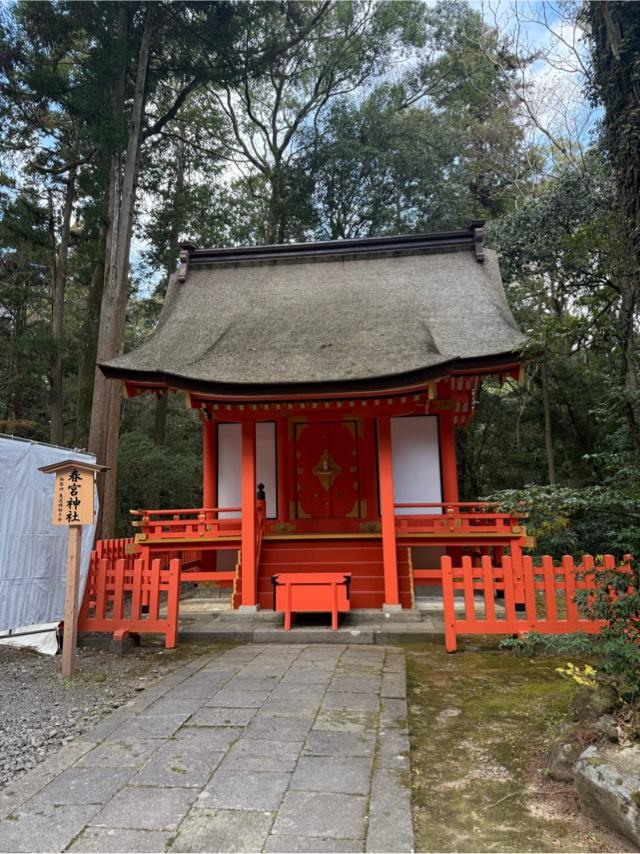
358	628
286	844
96	840
223	831
146	808
121	753
390	827
256	755
255	748
221	716
179	763
240	789
322	814
350	775
44	828
83	785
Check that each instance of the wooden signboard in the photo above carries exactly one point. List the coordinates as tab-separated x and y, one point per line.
72	506
73	503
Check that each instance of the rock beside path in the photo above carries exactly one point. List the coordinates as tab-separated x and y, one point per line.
607	780
563	755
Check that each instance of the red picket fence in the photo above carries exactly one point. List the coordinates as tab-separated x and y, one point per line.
129	596
546	594
126	549
114	550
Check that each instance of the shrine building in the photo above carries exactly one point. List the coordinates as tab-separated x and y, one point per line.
330	379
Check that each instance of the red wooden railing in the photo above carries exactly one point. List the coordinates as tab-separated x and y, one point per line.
129	596
548	593
115	549
460	517
125	549
199	522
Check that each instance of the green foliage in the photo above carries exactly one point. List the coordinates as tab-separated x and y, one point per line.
26	343
615	82
534	643
171	472
591	520
617	600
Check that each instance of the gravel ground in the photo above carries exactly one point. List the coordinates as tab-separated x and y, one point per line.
40	711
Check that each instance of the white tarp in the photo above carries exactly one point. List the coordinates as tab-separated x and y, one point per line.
33	551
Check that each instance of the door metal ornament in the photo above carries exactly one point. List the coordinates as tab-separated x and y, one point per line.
326	470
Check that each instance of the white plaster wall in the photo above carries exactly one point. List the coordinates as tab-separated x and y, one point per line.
416	462
229	466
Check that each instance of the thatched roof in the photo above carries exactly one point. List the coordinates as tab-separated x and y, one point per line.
337	315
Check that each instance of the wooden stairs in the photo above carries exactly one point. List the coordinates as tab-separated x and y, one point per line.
362	559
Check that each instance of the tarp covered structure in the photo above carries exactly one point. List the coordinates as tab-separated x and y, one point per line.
32	550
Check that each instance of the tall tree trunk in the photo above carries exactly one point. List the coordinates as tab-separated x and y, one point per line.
629	369
105	412
57	314
162	402
277	224
548	430
90	331
615	53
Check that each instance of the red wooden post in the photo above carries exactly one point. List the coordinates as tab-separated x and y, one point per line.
467	582
448	463
173	604
569	569
509	599
528	573
209	462
209	479
101	589
449	469
136	590
118	593
154	583
248	566
287	607
448	604
549	577
489	592
518	578
387	513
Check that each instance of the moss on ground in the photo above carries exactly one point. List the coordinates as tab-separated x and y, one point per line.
480	725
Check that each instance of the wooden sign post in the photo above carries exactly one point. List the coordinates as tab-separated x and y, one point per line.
72	506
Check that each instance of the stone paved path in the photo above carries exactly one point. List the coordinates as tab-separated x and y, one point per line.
256	748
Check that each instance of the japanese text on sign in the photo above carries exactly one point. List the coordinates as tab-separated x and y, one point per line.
73	503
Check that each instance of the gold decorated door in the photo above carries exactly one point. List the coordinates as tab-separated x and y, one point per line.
327	474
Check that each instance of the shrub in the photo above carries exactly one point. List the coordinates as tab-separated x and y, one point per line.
533	643
617	600
564	520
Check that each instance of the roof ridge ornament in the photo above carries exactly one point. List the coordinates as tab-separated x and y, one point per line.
185	252
436	242
476	227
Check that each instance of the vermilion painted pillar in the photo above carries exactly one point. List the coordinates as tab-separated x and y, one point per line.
449	470
209	463
448	463
248	566
385	473
209	480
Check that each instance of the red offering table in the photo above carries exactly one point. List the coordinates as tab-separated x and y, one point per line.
308	592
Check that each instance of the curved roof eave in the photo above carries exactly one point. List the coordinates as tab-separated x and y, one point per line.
392	383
